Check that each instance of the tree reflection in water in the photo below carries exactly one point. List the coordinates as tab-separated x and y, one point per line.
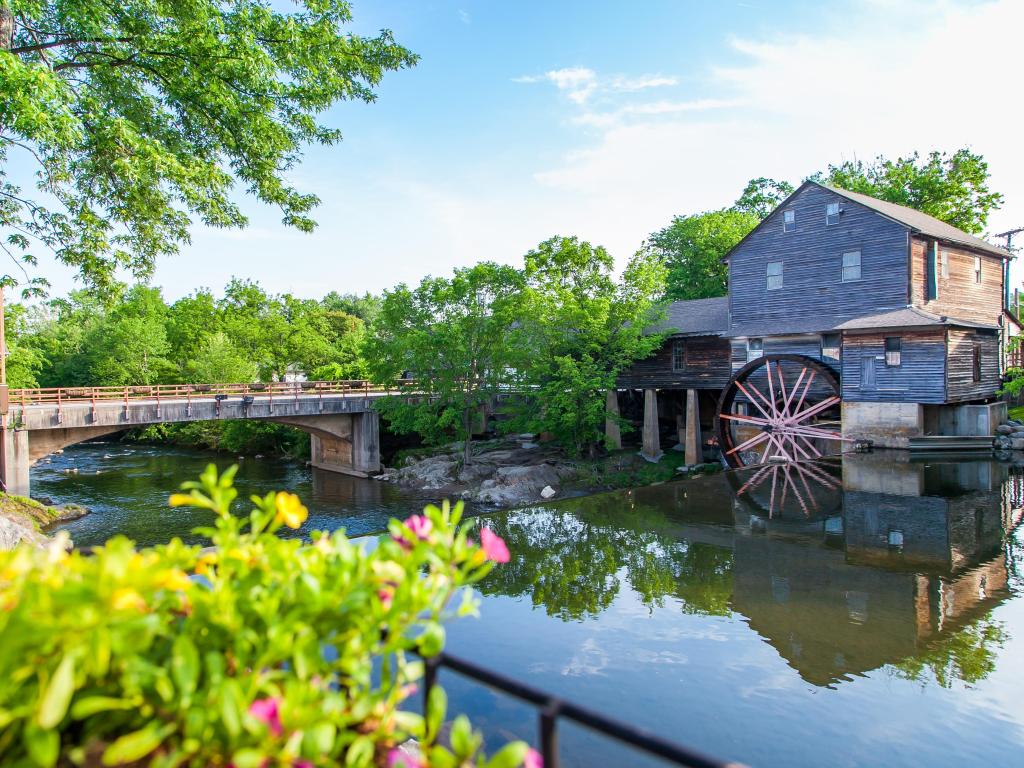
826	582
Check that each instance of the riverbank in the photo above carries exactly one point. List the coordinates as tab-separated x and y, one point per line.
512	471
24	519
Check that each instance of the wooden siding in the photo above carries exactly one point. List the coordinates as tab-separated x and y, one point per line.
707	366
959	295
960	383
920	377
807	344
812	257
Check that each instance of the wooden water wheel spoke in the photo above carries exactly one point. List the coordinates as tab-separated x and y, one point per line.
796	399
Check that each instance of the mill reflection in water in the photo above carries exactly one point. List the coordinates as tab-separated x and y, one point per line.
874	579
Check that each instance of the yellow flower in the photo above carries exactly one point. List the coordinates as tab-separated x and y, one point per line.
126	599
180	500
174	579
204	563
290	510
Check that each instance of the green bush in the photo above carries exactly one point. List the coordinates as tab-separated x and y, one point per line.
259	651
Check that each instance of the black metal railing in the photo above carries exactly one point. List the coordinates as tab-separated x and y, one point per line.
551	709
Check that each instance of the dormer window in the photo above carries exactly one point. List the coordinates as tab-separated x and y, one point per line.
831	214
774	275
977	269
788	221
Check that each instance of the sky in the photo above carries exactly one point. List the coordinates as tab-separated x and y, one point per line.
604	120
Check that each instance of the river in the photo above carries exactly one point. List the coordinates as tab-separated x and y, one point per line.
867	611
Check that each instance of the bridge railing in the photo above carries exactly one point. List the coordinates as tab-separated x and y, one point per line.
68	395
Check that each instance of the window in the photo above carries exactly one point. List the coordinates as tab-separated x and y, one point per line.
830	345
831	214
893	351
895	538
851	266
977	269
788	221
755	348
931	259
774	275
976	363
678	355
944	264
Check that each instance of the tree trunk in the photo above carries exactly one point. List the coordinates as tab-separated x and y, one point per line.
467	424
6	26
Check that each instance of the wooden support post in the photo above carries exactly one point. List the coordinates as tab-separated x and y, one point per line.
652	436
612	430
692	447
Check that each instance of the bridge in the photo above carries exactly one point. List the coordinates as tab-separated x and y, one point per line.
338	415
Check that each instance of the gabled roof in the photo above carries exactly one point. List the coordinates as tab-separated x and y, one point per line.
697	317
913	219
920	222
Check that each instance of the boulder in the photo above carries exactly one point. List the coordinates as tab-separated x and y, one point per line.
1017	443
429	474
514	485
13	533
1002	443
1005	429
547	492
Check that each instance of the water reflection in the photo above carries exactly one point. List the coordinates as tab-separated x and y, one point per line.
843	567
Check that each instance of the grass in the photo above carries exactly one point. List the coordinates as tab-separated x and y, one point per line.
1016	413
626	469
22	509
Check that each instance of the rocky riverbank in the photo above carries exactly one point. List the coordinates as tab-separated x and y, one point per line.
24	519
508	472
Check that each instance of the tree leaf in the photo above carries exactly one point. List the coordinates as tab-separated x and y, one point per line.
57	697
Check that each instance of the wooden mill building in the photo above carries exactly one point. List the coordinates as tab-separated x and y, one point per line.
903	315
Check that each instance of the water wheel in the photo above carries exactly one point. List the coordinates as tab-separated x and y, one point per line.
780	407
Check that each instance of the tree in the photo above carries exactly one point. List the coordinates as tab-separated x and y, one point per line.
218	361
952	188
762	195
190	322
692	247
130	345
578	329
450	335
139	116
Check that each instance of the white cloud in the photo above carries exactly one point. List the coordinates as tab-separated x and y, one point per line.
464	16
641	83
580	83
881	86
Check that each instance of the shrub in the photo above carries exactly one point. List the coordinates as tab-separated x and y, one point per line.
259	651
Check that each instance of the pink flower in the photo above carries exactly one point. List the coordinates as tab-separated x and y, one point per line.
302	764
386	596
420	525
399	759
268	711
533	759
494	546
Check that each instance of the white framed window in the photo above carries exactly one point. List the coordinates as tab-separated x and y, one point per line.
895	538
851	266
831	343
893	351
678	355
774	273
788	221
977	269
755	349
944	264
831	214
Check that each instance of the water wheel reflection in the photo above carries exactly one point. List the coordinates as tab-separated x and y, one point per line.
791	490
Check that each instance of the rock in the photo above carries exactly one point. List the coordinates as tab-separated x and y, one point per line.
512	485
527	446
1002	443
1017	443
547	492
13	533
1015	422
69	512
1005	429
429	474
258	456
526	436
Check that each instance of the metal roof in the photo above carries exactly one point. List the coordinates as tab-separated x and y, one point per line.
907	317
920	222
697	317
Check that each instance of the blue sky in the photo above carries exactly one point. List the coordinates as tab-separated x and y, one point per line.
603	120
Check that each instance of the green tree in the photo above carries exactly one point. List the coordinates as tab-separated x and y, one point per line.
762	195
577	329
24	361
139	116
217	361
692	247
190	322
450	335
951	187
130	345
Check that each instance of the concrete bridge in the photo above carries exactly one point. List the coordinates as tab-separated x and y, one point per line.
338	415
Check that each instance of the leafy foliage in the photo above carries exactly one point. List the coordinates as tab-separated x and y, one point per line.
692	248
762	195
139	116
577	329
449	334
261	651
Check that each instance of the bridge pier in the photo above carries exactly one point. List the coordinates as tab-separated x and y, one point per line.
348	443
15	461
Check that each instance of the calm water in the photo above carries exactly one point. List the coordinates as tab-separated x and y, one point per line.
860	613
127	486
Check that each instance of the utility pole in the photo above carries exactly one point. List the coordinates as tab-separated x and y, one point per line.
1008	236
